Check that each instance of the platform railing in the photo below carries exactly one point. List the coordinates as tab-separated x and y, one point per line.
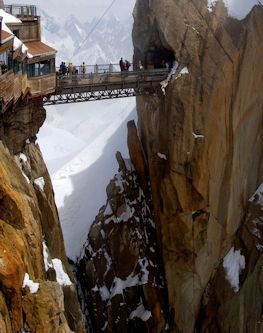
21	11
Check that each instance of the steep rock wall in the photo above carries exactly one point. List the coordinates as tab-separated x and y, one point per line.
31	241
119	272
209	127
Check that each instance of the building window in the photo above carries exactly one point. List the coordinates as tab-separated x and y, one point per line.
41	68
3	62
17	66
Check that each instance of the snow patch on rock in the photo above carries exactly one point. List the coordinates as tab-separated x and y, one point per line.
141	313
40	182
234	263
162	156
33	286
62	277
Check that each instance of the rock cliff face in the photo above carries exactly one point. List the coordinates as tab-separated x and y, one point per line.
119	271
37	292
203	143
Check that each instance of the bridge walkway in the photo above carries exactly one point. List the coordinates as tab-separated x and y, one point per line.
99	86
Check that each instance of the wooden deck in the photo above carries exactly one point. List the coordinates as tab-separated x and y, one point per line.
12	87
90	87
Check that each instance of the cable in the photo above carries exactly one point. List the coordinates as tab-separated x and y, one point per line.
95	26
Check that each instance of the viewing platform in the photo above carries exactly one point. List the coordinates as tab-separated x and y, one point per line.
22	12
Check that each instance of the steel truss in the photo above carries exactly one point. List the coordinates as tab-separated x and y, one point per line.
78	97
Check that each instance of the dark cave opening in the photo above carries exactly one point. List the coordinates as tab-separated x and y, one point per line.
155	57
158	57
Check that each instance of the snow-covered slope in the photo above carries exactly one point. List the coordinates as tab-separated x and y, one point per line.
79	143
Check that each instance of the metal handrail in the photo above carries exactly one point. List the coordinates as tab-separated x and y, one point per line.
122	75
21	11
96	69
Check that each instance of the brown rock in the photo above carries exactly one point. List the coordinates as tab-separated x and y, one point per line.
118	270
137	155
28	216
45	309
215	173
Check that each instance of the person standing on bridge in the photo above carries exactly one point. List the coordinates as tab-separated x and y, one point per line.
70	69
122	65
127	65
83	69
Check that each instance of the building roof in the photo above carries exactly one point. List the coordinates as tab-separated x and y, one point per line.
8	18
6	36
37	49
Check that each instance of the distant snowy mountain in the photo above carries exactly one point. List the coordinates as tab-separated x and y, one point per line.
78	42
79	141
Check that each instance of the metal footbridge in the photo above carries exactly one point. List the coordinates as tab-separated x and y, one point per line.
105	84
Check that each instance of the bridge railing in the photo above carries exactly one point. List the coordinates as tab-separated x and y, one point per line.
95	69
113	76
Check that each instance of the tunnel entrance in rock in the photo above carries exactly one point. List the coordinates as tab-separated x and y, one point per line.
158	57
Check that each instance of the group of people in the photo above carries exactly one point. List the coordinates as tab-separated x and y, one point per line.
124	65
71	69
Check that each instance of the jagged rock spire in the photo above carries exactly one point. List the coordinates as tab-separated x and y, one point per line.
1	4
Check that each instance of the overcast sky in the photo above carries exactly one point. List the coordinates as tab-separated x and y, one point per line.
83	9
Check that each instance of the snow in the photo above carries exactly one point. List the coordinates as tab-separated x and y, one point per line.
104	293
40	182
47	263
62	277
197	136
132	280
5	28
257	197
162	156
17	43
236	8
126	215
141	313
8	18
24	48
234	264
105	326
108	210
79	143
184	71
25	176
33	286
165	82
23	157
